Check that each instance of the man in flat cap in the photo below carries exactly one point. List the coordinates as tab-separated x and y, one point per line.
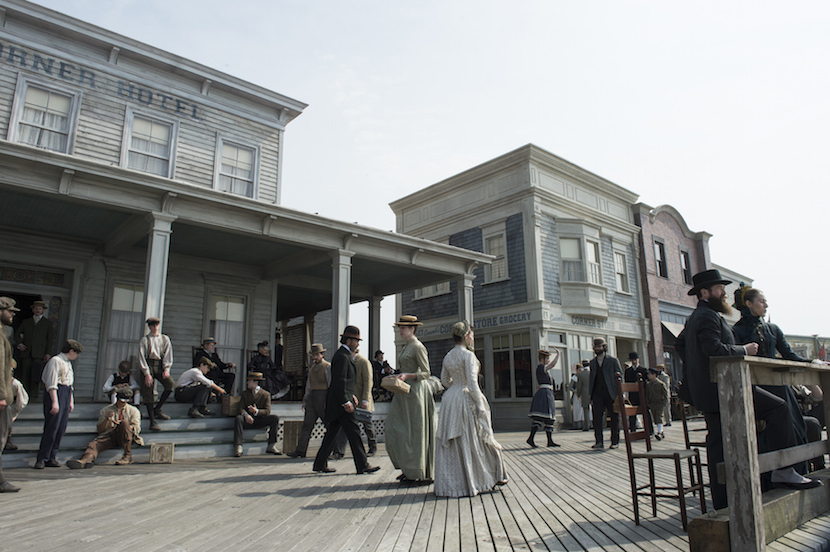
7	312
604	372
222	372
35	340
58	380
155	357
705	335
255	406
119	426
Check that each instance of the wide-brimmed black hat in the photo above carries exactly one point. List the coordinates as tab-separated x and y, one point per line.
707	278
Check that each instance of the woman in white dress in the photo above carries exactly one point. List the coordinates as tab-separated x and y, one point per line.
467	456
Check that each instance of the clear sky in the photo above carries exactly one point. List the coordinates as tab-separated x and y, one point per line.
719	109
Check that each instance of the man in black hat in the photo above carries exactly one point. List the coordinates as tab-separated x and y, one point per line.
604	372
221	372
36	341
340	405
633	374
705	335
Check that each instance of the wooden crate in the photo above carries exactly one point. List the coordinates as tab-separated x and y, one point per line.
161	453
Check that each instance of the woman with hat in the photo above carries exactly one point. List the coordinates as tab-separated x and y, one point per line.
411	422
543	407
467	457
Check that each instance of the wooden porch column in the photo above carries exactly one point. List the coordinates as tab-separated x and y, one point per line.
155	276
465	297
341	285
740	452
374	327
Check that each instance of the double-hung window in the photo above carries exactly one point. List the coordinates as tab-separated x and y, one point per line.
686	267
236	168
149	144
580	258
495	243
44	116
660	259
621	268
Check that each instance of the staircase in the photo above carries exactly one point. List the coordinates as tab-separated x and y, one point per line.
208	437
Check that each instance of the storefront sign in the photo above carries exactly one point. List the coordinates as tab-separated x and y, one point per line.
18	57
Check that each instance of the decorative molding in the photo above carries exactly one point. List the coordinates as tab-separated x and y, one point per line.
348	239
66	181
267	222
206	86
114	55
167	201
414	254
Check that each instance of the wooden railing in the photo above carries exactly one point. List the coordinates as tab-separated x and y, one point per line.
742	463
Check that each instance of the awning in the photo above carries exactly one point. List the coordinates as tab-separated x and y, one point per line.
673	328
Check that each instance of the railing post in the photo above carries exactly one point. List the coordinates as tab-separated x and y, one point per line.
740	452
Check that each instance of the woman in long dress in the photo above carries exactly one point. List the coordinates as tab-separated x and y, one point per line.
410	424
467	457
543	405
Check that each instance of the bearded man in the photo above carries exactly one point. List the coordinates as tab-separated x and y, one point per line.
705	335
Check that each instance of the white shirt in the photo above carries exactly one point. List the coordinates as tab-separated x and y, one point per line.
58	371
193	376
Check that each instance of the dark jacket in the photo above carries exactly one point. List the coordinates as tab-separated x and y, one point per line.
706	335
633	375
608	371
341	387
769	337
39	338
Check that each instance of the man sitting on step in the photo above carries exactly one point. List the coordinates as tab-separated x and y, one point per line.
194	386
119	426
255	406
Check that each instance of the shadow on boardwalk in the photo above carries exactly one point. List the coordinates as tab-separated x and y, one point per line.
568	498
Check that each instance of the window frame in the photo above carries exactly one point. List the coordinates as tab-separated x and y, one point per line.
591	271
660	246
686	266
19	103
622	276
126	141
494	230
512	351
221	140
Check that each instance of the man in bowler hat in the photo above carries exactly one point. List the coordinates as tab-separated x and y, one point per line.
705	335
340	404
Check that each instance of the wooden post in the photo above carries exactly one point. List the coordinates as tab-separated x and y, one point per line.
740	452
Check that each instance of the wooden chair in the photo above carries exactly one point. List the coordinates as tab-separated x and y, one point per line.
688	435
651	489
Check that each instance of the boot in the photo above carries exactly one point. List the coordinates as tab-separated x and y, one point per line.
85	462
10	446
549	433
126	459
194	413
373	447
151	415
532	435
159	414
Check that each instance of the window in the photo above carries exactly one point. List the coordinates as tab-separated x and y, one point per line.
512	366
149	144
573	269
686	267
592	250
621	268
495	244
126	326
44	117
236	172
227	326
571	253
660	259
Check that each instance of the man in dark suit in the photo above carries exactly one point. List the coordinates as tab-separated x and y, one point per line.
604	372
705	335
633	374
222	372
340	404
36	342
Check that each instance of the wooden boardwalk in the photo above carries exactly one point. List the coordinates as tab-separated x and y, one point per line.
567	498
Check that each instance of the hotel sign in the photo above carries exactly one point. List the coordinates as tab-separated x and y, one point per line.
79	75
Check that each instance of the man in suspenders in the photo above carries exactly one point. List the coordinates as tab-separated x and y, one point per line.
156	358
